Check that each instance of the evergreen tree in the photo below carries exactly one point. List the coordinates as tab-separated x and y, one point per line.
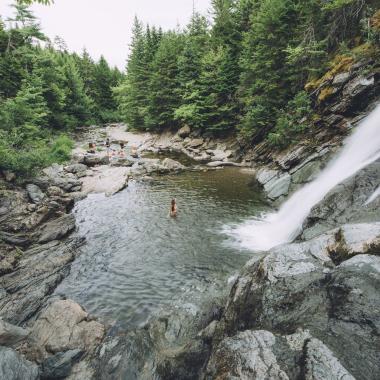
77	104
266	78
163	97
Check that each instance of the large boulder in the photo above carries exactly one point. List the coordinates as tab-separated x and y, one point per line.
262	355
64	326
171	165
15	367
78	169
95	160
297	286
35	193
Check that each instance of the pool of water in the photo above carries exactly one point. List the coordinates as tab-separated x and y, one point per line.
137	258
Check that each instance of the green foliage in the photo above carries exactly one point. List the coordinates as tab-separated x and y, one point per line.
61	149
45	92
246	73
291	123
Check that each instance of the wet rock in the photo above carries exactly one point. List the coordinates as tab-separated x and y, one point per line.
39	271
184	131
321	364
15	367
10	334
35	193
57	229
59	365
278	186
208	332
297	286
65	326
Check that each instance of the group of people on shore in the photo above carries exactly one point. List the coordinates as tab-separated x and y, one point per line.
113	152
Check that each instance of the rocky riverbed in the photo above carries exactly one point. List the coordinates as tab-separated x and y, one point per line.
309	309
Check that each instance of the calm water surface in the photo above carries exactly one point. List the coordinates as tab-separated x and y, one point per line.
137	258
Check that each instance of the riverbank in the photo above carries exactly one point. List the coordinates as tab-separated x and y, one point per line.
308	309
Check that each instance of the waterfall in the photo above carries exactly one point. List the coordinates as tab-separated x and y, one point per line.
360	149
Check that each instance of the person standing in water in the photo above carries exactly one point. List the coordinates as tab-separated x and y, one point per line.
122	147
173	209
108	146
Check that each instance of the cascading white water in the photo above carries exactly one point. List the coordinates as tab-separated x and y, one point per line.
361	148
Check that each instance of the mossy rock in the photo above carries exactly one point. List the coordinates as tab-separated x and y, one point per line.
326	93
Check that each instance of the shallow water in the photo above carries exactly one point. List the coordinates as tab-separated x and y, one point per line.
137	258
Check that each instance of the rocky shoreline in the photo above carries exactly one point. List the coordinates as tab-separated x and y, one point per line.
305	310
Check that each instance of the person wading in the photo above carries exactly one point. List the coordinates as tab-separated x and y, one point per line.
173	209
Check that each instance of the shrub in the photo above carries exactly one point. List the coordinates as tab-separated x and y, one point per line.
61	149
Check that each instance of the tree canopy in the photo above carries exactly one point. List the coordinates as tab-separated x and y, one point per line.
45	93
245	70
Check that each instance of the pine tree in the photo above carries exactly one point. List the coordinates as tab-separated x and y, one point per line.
190	68
163	96
266	78
77	105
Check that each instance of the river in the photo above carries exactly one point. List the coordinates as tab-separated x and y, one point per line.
137	259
